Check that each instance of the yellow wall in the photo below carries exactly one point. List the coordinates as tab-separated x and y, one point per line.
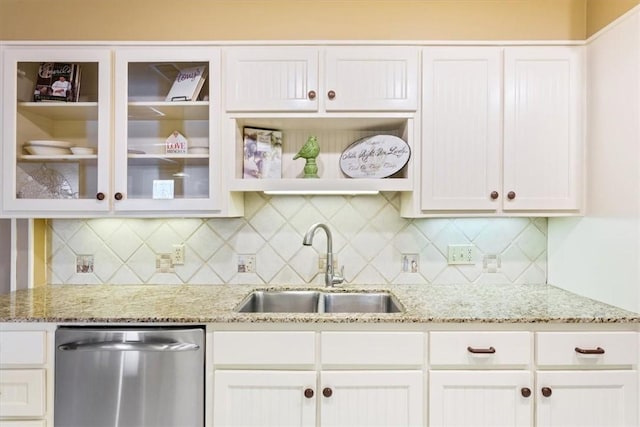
292	19
602	12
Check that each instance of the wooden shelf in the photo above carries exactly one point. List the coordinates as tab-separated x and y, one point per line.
319	186
177	110
61	110
57	158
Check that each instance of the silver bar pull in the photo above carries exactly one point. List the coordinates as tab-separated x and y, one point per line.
129	346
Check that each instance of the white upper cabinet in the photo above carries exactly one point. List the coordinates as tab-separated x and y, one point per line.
543	128
335	78
40	172
502	131
461	101
149	175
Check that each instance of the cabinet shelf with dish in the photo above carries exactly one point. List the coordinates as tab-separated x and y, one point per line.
40	172
334	134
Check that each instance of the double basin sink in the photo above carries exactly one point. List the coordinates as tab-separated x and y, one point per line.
310	301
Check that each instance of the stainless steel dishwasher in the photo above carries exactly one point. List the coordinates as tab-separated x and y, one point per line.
129	377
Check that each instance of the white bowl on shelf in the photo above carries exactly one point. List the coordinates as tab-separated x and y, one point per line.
42	150
82	150
49	143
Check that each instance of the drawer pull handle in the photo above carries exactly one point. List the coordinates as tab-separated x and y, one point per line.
489	350
525	391
312	94
327	392
331	94
546	391
308	393
597	350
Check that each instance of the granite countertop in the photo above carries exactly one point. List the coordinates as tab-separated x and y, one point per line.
216	304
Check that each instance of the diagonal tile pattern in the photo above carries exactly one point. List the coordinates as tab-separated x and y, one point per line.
369	239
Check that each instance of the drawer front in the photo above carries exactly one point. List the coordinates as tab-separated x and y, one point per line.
22	392
477	349
587	348
30	423
22	347
264	348
372	349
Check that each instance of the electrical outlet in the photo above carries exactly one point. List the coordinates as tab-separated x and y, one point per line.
246	263
460	254
409	263
322	263
177	256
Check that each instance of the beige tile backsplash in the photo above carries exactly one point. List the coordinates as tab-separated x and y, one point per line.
369	240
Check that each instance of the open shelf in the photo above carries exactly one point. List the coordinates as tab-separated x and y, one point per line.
61	110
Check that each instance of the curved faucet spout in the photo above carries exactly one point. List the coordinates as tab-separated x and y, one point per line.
330	278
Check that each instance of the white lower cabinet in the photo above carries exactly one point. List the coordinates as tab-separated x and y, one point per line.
264	398
587	398
480	398
371	398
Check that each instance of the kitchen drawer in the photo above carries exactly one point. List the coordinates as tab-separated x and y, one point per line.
22	347
479	349
264	348
22	392
29	423
602	348
368	349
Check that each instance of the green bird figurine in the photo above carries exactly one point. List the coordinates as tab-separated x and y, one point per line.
309	151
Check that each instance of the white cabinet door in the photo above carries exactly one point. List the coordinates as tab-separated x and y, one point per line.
366	78
480	398
40	173
267	78
587	399
371	398
149	175
461	101
264	398
543	136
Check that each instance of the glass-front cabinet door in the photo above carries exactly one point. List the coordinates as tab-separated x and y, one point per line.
56	130
166	129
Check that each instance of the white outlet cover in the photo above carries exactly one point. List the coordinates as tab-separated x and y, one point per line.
460	254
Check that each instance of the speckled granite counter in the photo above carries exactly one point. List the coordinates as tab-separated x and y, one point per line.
215	304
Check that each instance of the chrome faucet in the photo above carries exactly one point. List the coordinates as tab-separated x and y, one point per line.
330	278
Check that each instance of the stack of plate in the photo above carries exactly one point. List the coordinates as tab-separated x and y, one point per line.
47	148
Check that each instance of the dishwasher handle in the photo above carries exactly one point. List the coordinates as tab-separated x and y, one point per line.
129	346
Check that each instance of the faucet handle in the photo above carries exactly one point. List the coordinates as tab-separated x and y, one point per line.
338	278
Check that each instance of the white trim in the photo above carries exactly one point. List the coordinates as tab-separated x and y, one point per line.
13	285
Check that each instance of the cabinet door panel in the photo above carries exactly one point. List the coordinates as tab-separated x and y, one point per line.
461	128
543	127
587	399
371	78
264	398
371	398
480	398
271	78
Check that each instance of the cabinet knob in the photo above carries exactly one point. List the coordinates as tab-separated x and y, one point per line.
546	391
308	393
525	391
118	196
494	195
511	195
597	350
100	196
331	94
312	94
327	392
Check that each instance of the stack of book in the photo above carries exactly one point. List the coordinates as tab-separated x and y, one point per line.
188	84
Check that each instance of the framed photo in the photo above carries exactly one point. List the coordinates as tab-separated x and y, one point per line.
262	153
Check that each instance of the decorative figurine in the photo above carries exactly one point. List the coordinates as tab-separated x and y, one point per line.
309	151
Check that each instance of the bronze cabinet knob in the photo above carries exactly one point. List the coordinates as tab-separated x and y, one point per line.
494	195
308	393
331	94
312	94
525	391
100	196
546	391
118	196
511	195
327	392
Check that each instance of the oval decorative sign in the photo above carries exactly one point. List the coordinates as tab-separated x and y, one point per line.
378	156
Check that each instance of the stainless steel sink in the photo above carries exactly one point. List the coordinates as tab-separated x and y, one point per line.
319	302
361	302
280	302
